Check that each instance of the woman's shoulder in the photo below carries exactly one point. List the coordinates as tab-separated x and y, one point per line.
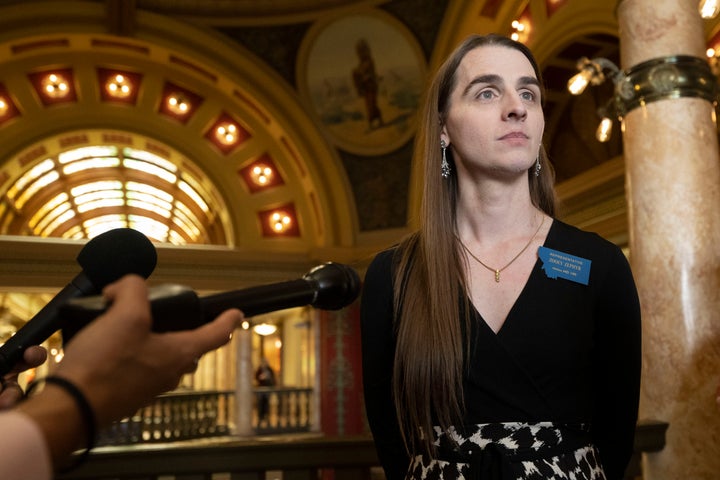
382	263
582	241
607	261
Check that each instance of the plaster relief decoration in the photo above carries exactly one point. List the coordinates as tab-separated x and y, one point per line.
363	76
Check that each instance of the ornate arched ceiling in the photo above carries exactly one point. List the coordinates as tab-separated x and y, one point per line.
241	60
226	81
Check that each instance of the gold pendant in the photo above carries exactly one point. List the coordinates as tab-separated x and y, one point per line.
497	276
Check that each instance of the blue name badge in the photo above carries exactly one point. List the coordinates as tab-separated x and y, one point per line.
563	265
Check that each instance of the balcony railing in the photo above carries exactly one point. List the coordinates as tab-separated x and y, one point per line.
289	410
190	415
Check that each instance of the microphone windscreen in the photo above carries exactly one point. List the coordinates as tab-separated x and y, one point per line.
336	285
105	259
115	253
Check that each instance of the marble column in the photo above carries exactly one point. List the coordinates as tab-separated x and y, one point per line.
673	187
244	382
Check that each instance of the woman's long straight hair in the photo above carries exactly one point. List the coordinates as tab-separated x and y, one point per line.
429	279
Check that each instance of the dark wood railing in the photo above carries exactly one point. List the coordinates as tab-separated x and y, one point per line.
649	438
297	456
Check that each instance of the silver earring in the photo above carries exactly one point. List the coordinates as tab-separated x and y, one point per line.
444	166
538	167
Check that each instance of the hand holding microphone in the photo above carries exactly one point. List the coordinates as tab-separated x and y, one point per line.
118	363
112	367
103	259
330	286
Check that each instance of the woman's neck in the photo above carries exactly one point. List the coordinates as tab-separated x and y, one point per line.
494	214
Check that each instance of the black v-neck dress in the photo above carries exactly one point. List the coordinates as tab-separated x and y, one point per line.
567	353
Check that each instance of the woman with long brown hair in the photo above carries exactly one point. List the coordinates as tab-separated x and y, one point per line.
498	342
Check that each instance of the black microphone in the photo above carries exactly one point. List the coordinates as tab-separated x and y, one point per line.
330	286
103	259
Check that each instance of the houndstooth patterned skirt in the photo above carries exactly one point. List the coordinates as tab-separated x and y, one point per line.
511	451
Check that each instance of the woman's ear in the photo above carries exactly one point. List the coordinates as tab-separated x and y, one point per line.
444	136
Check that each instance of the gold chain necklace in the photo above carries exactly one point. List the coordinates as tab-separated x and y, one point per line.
498	270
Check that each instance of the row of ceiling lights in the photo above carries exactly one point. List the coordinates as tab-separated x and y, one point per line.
56	87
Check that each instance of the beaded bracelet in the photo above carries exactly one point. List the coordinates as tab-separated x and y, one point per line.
85	409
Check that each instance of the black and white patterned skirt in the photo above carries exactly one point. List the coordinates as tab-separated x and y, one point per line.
511	451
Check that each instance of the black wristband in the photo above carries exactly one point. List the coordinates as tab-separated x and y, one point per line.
86	412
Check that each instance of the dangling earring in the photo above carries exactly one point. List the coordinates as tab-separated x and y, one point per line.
444	166
538	167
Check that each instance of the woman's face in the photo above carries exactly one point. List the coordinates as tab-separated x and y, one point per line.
495	121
